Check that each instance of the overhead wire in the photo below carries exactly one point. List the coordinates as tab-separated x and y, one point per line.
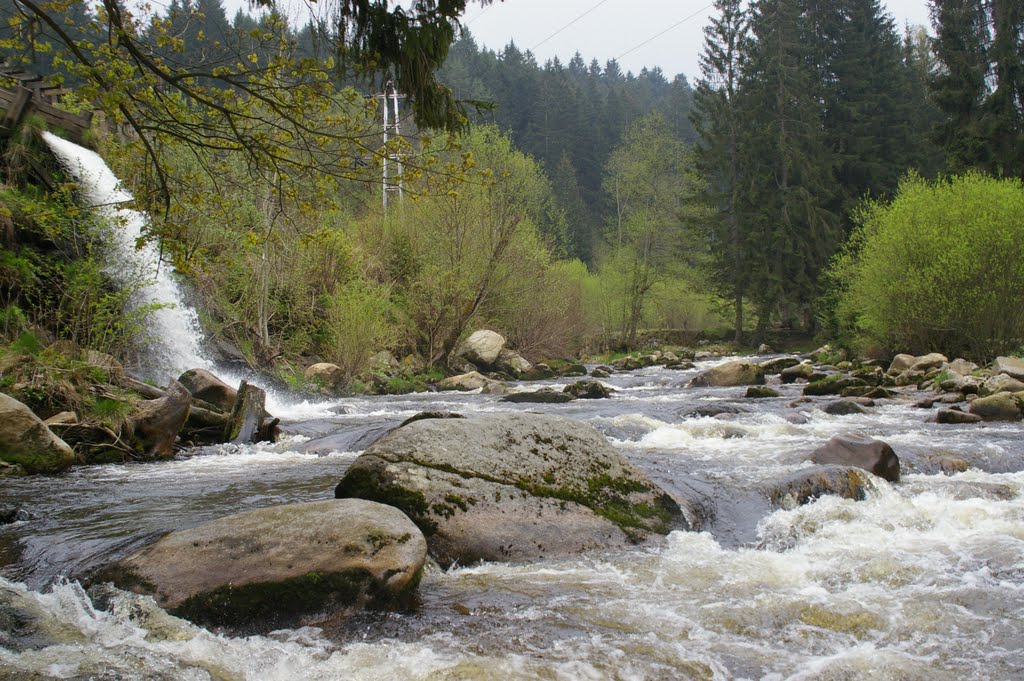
663	32
567	25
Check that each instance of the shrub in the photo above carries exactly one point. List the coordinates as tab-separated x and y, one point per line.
941	267
358	325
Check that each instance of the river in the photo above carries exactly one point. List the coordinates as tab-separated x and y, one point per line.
922	580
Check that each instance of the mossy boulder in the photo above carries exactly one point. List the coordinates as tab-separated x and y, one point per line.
778	364
588	390
756	392
729	374
999	407
1011	366
511	486
542	396
808	484
26	442
203	385
955	416
797	372
472	380
275	564
832	385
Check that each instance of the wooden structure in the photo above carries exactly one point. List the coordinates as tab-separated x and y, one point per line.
31	95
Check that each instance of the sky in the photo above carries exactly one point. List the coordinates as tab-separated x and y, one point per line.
638	33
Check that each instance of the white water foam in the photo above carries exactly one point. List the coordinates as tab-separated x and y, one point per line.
177	336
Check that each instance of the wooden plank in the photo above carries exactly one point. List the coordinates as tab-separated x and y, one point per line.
16	109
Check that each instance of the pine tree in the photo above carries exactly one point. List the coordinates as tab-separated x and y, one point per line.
1003	112
716	119
790	166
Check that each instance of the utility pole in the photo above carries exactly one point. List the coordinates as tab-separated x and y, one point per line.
392	178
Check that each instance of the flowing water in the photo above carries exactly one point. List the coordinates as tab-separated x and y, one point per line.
922	580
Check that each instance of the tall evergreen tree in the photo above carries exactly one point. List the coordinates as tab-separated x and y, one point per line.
790	166
716	118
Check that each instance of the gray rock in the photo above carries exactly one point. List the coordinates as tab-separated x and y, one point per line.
776	365
482	348
998	407
27	442
901	363
275	564
764	349
511	487
955	416
962	366
1002	383
588	390
1011	366
797	372
543	396
729	374
859	451
512	363
927	362
844	408
473	380
760	392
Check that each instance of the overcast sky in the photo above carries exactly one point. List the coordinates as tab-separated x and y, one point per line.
665	33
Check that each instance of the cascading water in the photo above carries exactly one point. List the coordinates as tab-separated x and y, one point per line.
175	343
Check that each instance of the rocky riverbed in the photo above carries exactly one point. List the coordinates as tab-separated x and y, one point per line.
779	570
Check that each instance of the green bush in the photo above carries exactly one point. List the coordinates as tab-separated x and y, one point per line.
941	267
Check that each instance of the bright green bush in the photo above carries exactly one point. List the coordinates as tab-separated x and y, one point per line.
941	267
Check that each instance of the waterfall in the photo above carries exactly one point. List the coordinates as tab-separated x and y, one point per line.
176	338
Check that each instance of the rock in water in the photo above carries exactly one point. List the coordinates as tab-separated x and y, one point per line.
275	564
808	484
588	390
729	374
872	455
27	442
158	422
473	380
999	407
1011	366
482	348
511	487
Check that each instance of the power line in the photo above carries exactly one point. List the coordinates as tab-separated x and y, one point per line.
567	25
479	14
673	26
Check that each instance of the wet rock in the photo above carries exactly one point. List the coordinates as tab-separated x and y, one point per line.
326	374
588	390
778	364
797	372
729	374
797	418
926	402
275	564
572	369
756	392
544	396
967	385
482	348
833	385
26	625
203	385
955	416
711	410
539	372
910	377
871	375
998	407
764	349
1010	366
808	484
511	487
859	451
844	408
158	422
473	380
26	442
601	372
431	415
10	470
13	514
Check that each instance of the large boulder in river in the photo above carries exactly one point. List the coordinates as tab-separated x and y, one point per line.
204	386
999	407
472	380
482	348
729	374
1002	383
27	442
925	363
275	564
511	486
1011	366
872	455
808	484
158	422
